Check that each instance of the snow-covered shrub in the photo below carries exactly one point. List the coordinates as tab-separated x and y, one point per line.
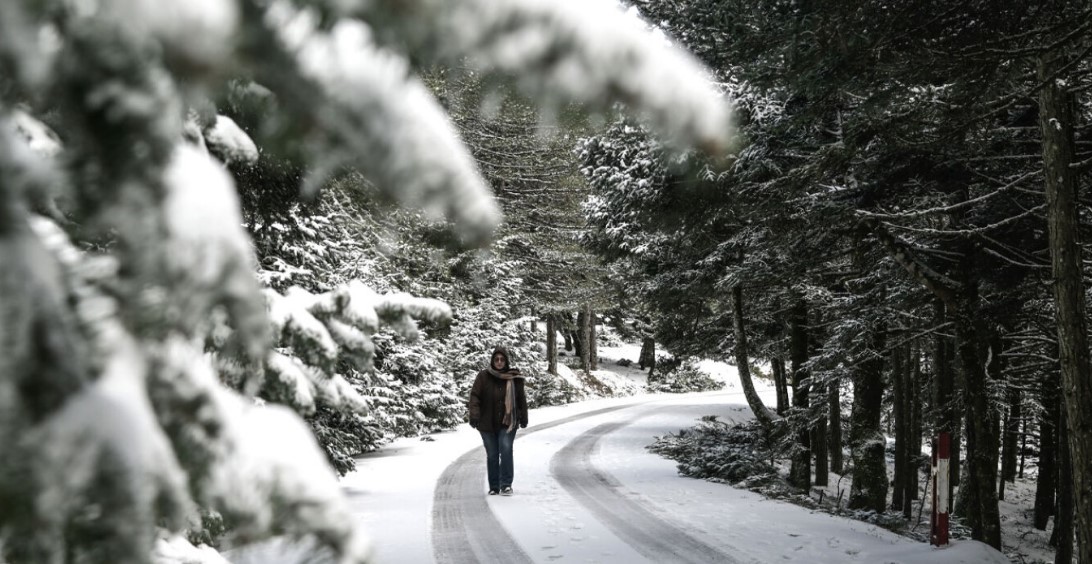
667	363
550	390
686	377
608	336
890	520
605	383
303	249
488	319
714	450
427	398
343	435
438	407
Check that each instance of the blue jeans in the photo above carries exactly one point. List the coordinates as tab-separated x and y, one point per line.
498	457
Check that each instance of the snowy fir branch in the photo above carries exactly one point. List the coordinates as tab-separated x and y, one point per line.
563	51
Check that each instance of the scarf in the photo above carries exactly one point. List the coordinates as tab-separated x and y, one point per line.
509	393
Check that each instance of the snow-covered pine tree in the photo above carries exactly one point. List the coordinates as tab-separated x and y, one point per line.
117	426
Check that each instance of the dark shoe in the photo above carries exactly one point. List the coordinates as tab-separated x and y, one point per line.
492	492
506	490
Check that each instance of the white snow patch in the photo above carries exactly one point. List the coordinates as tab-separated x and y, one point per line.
201	31
230	141
203	216
570	377
39	136
177	550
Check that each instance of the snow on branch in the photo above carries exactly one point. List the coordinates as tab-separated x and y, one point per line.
206	241
122	433
175	25
560	51
372	115
87	442
39	137
296	327
400	309
229	142
279	480
27	149
257	465
105	446
287	377
321	329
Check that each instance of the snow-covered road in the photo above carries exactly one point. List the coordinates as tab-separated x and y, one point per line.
587	490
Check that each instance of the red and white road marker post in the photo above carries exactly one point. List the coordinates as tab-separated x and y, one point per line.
941	501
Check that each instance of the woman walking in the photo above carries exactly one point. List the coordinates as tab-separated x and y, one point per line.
497	404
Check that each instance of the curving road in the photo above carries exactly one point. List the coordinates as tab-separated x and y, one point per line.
655	538
586	491
466	527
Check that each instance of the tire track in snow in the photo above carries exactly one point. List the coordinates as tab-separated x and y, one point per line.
464	529
599	492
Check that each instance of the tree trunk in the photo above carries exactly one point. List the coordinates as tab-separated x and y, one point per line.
593	340
647	357
1023	445
957	461
944	398
996	365
949	300
915	420
834	397
1012	439
1057	120
866	439
899	414
762	413
819	443
966	500
800	466
1046	484
581	337
981	427
777	365
1061	538
551	345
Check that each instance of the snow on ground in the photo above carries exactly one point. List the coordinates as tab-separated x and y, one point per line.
391	492
762	530
1022	542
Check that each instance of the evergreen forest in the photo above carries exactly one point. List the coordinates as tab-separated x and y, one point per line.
243	242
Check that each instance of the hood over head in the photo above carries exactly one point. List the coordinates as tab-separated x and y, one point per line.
501	351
